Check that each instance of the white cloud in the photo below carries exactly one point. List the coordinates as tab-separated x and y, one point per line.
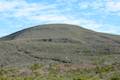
84	5
6	5
49	18
98	4
21	8
107	28
32	10
106	7
67	2
113	6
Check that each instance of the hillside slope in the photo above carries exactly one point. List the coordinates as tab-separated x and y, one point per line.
51	43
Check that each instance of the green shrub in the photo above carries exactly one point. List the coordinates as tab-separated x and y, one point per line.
35	66
104	69
115	76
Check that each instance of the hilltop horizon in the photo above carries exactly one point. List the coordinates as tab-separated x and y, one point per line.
58	23
97	15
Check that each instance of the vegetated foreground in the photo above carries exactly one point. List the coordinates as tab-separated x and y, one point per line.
59	52
62	72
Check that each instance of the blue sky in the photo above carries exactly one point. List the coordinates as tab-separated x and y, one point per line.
98	15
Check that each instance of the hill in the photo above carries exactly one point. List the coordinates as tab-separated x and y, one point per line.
57	43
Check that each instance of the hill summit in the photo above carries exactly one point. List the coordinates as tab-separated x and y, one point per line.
50	31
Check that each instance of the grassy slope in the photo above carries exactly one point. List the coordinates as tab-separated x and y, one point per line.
58	43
